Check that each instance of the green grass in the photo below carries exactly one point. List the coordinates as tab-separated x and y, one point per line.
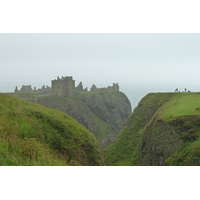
31	134
181	111
101	113
24	95
182	104
187	155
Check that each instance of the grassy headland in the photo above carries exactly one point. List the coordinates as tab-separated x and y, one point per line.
163	130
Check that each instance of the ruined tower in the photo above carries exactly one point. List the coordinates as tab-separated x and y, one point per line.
115	87
26	88
16	89
64	86
79	87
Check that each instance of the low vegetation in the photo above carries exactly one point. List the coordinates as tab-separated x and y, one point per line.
31	134
163	130
104	114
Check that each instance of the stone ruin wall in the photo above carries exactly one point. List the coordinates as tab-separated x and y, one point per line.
27	88
65	86
114	88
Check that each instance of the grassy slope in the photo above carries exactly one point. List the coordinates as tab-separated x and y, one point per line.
95	98
77	108
102	113
184	112
182	104
83	103
31	134
178	109
124	149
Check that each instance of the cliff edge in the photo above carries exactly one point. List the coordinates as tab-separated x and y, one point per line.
103	113
164	129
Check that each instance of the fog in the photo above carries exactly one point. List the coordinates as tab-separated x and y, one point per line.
160	62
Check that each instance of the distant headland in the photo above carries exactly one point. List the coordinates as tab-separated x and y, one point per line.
65	86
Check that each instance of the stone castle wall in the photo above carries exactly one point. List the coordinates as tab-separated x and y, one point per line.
114	88
65	86
27	88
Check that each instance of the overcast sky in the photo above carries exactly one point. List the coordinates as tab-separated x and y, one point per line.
157	60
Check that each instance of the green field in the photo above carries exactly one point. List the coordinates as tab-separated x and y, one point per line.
181	104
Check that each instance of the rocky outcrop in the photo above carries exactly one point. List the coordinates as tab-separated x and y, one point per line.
159	141
104	114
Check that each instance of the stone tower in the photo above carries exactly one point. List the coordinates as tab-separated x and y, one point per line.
115	87
16	89
79	87
64	86
26	88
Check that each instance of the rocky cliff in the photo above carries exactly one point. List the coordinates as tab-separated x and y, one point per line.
164	129
103	113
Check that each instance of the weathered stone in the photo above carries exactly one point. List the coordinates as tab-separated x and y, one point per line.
79	87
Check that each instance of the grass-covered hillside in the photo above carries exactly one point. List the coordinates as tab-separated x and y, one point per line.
104	113
164	129
31	134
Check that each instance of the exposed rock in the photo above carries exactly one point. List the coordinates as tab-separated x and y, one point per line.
93	88
104	114
163	130
79	87
159	141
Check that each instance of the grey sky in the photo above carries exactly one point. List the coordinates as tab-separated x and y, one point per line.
164	60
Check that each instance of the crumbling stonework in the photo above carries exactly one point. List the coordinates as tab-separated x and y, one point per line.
26	88
64	86
16	89
93	88
114	88
79	87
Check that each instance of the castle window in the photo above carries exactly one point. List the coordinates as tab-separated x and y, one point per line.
58	87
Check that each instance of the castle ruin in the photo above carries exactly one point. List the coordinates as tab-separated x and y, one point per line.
114	88
27	88
65	86
24	88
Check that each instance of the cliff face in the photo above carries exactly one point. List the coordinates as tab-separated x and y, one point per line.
163	130
103	113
